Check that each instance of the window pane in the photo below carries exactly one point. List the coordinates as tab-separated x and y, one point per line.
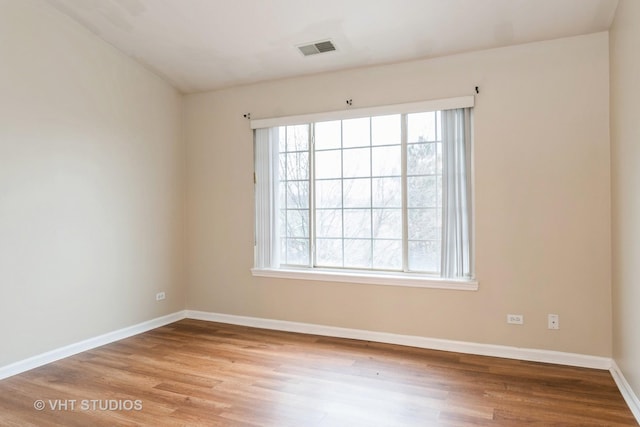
297	223
424	256
355	133
357	253
297	165
329	193
385	130
283	250
329	223
328	135
387	223
357	162
424	224
282	194
422	192
283	222
421	159
282	139
387	254
328	164
298	195
282	161
357	223
357	193
387	192
329	252
386	161
298	251
298	138
421	127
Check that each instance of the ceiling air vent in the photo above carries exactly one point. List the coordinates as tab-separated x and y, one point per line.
317	47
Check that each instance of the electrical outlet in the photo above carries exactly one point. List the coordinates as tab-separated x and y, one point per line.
515	319
160	296
554	321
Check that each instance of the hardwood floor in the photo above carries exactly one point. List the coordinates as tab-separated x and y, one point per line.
201	373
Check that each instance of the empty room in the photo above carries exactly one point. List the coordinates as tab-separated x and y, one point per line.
302	213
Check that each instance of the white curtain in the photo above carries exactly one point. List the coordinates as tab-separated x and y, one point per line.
267	246
457	259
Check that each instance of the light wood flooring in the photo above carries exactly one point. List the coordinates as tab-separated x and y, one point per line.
196	373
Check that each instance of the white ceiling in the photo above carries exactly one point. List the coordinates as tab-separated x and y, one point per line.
200	45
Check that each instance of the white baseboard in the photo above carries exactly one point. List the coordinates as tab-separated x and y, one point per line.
528	354
532	355
627	392
88	344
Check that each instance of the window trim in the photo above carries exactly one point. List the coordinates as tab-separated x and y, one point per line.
414	280
373	277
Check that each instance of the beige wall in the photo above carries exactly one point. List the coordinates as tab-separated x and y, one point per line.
625	166
91	185
542	190
92	173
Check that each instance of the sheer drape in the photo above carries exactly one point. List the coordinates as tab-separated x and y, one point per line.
266	196
456	194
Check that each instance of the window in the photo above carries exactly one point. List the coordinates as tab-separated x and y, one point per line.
378	194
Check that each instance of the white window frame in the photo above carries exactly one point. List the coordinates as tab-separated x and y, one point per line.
409	279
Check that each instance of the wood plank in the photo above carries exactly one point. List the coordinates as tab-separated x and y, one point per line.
203	373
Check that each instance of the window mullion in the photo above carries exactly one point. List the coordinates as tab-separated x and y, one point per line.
342	186
312	198
371	189
286	195
405	212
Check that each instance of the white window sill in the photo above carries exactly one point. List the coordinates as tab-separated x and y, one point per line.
387	279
